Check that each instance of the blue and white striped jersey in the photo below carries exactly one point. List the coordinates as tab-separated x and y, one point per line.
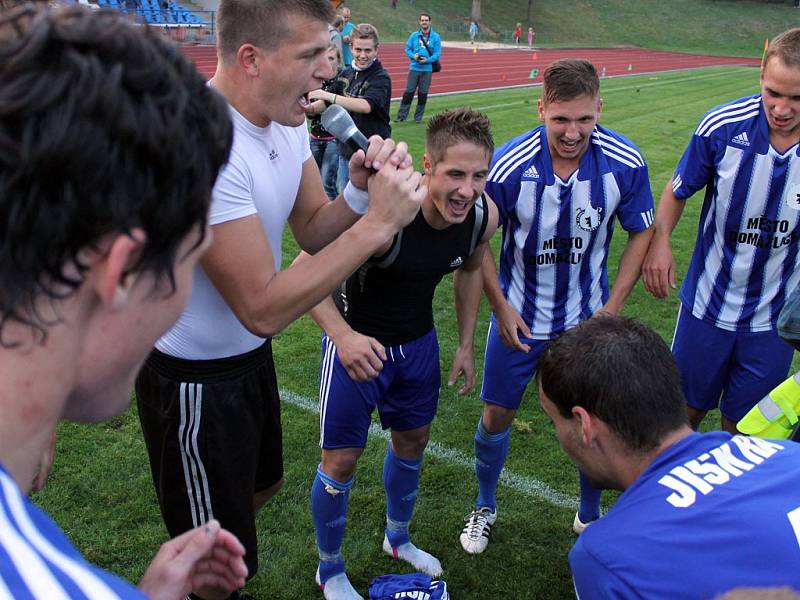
556	233
709	514
746	254
37	561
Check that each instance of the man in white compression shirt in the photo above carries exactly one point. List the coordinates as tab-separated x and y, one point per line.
208	399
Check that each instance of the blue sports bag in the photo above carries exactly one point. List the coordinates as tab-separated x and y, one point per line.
414	586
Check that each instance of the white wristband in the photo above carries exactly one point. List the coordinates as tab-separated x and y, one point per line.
357	200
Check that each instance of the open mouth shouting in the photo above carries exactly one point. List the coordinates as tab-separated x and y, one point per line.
459	207
783	121
568	147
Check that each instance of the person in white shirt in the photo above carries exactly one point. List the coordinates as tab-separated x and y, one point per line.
208	397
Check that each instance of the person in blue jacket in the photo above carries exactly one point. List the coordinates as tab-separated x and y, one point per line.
423	48
727	506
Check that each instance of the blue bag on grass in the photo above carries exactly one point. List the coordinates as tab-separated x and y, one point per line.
416	586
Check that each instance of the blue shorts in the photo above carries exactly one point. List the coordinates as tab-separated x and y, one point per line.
507	372
729	369
406	393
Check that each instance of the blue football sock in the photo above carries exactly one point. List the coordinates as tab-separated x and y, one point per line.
491	450
329	512
590	500
401	482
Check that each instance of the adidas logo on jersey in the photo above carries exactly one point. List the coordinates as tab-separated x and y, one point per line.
457	262
531	172
741	139
273	154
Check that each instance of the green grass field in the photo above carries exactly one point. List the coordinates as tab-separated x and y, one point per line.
735	27
100	491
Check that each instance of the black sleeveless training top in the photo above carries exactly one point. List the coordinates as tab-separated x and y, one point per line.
390	297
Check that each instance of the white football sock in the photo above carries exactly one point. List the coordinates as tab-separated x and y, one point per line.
339	587
419	559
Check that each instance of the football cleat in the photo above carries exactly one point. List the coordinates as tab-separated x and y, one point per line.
475	535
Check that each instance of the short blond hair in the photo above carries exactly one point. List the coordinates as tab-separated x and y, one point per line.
456	125
365	31
785	46
569	78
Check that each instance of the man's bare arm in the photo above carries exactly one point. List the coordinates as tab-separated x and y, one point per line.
362	356
509	321
315	221
241	265
658	270
630	267
351	104
467	288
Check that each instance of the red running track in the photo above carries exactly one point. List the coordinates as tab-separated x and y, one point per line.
464	70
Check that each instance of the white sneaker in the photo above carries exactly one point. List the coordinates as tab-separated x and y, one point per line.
579	526
475	535
338	587
419	559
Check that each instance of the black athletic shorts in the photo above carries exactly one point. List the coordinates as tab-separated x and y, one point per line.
213	434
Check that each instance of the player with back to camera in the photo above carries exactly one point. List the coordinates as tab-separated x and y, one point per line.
700	514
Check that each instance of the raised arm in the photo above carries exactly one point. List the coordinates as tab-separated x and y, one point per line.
241	265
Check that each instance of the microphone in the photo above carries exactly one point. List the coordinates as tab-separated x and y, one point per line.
340	124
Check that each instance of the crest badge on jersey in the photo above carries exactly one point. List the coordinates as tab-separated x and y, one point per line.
793	197
589	218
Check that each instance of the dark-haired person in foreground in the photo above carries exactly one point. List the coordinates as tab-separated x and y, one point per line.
111	144
701	514
382	350
208	396
559	188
